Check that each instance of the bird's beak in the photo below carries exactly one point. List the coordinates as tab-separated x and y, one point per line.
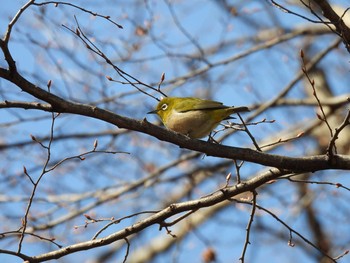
153	112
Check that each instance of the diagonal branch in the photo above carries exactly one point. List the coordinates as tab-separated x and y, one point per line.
15	19
338	22
305	164
221	196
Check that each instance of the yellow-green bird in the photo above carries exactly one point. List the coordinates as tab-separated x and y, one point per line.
193	117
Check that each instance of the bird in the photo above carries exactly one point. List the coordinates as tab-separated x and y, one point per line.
193	117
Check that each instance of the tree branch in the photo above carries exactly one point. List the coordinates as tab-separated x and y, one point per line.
338	22
305	164
157	218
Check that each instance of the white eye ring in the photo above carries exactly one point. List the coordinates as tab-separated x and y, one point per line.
164	106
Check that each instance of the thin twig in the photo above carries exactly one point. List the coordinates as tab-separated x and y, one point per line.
249	227
117	221
127	77
238	168
15	19
279	141
290	229
35	184
337	185
331	144
323	117
20	255
342	255
127	250
185	32
80	8
180	218
249	133
18	232
319	21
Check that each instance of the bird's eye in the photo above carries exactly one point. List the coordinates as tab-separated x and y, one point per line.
164	106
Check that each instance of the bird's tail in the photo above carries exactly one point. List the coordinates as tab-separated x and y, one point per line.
239	109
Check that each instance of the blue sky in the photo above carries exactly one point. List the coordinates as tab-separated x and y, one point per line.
253	79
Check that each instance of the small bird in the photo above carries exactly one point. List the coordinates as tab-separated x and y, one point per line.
193	117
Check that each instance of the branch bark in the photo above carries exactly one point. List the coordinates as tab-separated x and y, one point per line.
60	105
223	195
336	20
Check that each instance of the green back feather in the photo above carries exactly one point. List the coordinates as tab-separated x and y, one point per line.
190	104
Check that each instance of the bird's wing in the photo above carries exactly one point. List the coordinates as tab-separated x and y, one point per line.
198	104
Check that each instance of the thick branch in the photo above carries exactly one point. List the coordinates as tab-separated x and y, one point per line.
338	22
305	164
160	217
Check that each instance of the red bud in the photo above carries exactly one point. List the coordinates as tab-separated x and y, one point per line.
95	144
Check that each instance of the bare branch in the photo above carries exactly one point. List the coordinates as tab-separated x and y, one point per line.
14	20
57	3
331	144
248	228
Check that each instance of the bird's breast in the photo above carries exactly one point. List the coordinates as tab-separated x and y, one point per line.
195	124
